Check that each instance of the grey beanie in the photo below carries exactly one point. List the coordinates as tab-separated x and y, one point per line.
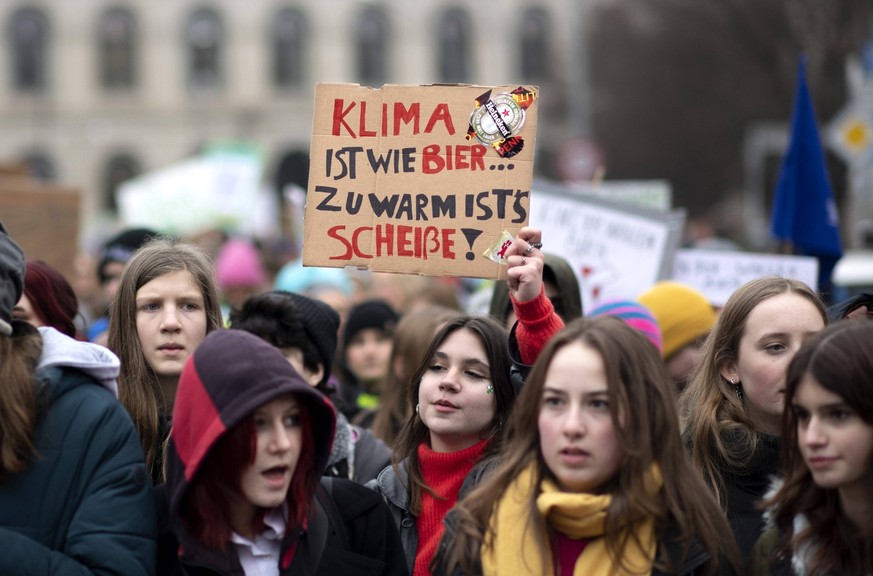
12	269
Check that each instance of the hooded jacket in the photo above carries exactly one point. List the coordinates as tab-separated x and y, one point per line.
230	375
84	505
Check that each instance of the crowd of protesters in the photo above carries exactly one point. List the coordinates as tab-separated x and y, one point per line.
209	417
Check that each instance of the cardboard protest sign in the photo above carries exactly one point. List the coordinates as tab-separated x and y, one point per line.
418	179
43	219
617	250
716	274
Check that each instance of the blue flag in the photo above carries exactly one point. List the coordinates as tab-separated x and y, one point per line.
804	211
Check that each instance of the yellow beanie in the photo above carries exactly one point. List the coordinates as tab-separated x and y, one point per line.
682	312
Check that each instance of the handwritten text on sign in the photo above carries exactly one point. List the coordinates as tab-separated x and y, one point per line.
409	178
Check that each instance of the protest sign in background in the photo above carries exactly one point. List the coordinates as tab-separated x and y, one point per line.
43	219
219	189
653	194
617	250
717	274
418	179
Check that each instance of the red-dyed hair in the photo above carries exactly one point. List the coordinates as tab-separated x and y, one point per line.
205	509
51	297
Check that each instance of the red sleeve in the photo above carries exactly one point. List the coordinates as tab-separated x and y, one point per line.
537	323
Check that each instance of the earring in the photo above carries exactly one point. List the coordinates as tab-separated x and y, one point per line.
737	388
417	406
490	389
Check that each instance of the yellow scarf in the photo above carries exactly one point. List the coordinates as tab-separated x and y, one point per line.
513	551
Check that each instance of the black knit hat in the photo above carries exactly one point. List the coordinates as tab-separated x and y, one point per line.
321	323
376	314
121	247
12	269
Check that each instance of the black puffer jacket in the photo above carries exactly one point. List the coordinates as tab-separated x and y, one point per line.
745	487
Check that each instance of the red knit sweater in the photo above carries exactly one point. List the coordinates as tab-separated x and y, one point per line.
444	472
537	323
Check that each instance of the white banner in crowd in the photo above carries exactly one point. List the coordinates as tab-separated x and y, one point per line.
717	274
616	250
217	190
654	194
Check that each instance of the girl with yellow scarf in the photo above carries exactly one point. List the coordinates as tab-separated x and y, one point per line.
593	477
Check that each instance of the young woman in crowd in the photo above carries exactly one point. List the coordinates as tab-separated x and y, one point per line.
250	441
593	476
165	305
305	331
48	299
364	363
413	335
822	510
733	404
685	318
458	399
74	495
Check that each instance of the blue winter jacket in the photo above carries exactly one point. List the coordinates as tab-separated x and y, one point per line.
84	505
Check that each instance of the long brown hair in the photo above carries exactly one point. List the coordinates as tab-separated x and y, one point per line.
19	395
411	338
414	432
639	386
716	426
840	358
138	388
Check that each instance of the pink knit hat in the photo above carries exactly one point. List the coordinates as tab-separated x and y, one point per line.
636	315
238	265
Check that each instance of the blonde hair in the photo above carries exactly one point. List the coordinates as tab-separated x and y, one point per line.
717	429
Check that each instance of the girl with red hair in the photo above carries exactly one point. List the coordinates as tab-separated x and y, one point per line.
250	441
48	299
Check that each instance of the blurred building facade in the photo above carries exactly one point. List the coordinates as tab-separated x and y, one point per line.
95	91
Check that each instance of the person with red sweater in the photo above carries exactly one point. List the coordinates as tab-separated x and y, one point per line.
541	294
460	397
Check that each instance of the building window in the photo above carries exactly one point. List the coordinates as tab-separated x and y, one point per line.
535	33
119	169
454	46
29	35
39	166
204	36
372	47
289	41
117	38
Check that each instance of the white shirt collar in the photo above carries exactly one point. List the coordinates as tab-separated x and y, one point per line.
260	557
